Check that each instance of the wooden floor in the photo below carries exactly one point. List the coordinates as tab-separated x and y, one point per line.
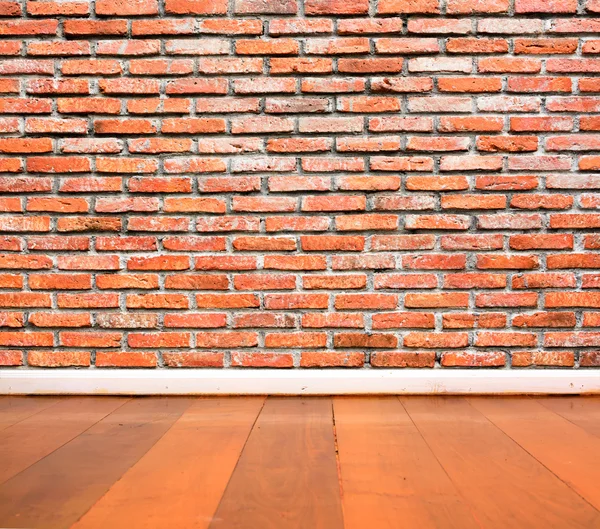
302	463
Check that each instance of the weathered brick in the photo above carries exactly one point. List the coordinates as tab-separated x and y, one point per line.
300	183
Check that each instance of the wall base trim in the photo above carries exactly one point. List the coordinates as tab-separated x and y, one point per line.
296	382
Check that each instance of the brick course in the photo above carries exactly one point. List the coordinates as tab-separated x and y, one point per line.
300	183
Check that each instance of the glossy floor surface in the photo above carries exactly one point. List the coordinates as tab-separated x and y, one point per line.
301	463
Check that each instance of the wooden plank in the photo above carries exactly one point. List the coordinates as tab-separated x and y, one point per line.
582	411
15	409
9	401
181	479
564	448
37	436
287	475
59	489
388	472
505	486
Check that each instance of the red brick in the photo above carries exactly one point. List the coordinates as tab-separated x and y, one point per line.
298	26
333	320
296	301
60	281
295	340
125	359
470	84
425	170
474	280
89	67
528	124
337	46
266	47
362	340
401	320
196	359
222	340
463	7
508	262
589	359
370	65
478	359
366	301
12	319
90	339
436	300
26	339
269	7
408	7
545	6
362	262
264	320
433	25
227	301
544	358
543	280
196	282
87	301
541	241
334	86
158	340
121	8
11	358
128	321
331	359
329	282
336	7
476	45
95	27
366	222
196	7
59	358
275	360
431	340
314	243
403	359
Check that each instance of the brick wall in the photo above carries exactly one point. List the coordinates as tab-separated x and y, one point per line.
300	183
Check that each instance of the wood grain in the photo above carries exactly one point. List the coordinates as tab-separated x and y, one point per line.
59	489
180	481
505	486
15	409
564	448
582	411
40	434
389	473
287	475
222	463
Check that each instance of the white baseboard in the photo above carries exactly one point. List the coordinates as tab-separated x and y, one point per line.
296	382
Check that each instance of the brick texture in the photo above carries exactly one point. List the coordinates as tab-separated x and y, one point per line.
300	183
